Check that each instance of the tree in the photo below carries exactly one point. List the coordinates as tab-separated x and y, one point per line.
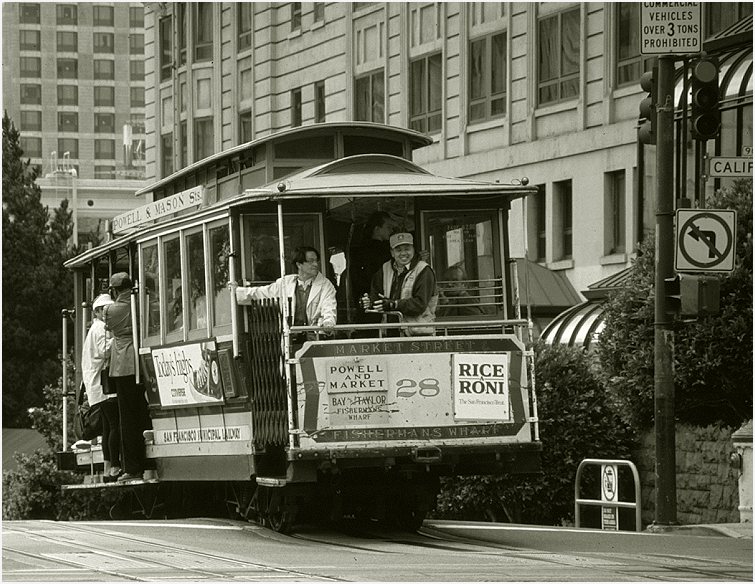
36	286
712	355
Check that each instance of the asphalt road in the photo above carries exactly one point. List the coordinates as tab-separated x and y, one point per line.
213	550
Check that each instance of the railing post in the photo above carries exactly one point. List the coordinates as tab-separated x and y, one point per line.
578	501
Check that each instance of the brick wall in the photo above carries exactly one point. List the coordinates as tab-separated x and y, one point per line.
706	485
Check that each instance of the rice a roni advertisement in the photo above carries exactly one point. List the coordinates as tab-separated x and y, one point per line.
188	374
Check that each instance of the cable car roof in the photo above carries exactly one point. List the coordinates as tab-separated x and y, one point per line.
360	176
416	140
376	175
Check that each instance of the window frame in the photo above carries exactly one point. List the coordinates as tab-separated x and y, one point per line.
98	101
62	47
63	100
420	119
107	47
203	47
295	16
70	145
134	72
628	69
25	93
559	79
167	163
30	120
64	61
203	122
68	126
30	73
97	74
29	13
108	128
102	15
244	12
60	17
320	108
29	152
101	153
615	212
25	45
296	107
371	110
165	31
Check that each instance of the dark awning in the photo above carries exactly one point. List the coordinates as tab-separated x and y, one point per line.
546	291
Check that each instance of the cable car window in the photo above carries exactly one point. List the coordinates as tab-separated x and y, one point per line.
120	261
368	145
173	288
220	248
151	286
197	293
261	260
313	147
466	262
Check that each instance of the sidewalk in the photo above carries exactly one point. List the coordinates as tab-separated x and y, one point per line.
737	530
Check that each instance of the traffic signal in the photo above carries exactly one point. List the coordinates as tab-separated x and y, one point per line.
691	295
706	116
646	131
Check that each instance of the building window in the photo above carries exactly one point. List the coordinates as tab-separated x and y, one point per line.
31	94
370	98
68	69
104	69
244	20
104	95
68	146
204	138
136	17
102	16
136	44
245	127
137	97
630	64
295	16
536	230
615	213
426	93
68	122
31	120
136	70
319	8
66	14
104	123
183	144
104	42
203	27
166	148
562	219
487	78
296	107
29	40
105	172
721	15
558	57
67	42
104	149
28	14
32	147
166	48
319	102
181	26
31	67
68	94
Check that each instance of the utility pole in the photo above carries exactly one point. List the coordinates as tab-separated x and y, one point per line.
665	431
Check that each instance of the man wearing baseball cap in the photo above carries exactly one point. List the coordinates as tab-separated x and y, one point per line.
131	402
405	284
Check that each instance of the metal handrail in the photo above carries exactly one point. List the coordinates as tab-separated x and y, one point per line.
599	503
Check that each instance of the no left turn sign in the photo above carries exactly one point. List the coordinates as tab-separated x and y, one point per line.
705	240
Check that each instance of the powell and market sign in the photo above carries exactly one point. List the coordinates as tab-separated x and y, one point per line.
158	209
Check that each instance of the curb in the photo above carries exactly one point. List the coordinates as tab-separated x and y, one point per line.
737	531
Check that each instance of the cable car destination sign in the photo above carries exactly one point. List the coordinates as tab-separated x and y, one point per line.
157	209
670	27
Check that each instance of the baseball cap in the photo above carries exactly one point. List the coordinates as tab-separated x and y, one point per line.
120	280
401	238
102	300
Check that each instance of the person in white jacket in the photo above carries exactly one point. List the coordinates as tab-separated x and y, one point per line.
95	355
311	295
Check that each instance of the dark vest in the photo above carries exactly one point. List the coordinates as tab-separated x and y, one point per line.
300	310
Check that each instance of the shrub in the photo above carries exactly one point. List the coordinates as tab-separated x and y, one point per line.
577	421
712	355
33	489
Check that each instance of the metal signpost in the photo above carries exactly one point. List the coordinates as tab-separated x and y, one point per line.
669	30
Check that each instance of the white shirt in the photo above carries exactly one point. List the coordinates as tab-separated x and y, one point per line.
93	356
